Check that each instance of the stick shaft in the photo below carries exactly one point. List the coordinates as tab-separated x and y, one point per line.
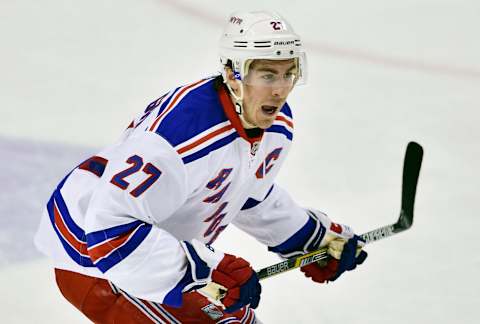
321	254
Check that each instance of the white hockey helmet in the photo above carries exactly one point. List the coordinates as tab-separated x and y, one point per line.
260	35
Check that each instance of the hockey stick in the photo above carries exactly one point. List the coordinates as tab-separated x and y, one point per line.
411	170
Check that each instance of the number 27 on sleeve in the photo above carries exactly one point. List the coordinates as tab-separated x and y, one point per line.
137	164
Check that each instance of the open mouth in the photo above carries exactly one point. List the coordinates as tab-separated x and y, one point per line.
269	110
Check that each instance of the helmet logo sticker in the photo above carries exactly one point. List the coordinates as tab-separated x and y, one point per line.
236	20
284	43
277	25
237	75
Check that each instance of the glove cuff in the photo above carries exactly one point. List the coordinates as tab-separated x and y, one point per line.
307	238
202	259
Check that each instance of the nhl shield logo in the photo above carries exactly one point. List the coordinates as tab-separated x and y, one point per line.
254	148
212	311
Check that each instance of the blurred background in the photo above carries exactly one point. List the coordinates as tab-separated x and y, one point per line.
74	73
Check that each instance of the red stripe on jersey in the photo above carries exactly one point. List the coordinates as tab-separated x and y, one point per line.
281	118
173	102
106	248
80	246
204	139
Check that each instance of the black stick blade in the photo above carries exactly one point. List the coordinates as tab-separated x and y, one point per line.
411	171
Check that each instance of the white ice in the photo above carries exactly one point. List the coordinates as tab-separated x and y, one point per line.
381	73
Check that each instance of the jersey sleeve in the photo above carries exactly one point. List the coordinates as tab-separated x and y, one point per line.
144	182
274	219
281	224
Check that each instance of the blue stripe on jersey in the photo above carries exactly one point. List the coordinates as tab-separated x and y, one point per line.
228	320
174	297
199	110
286	110
73	253
200	268
140	304
60	185
164	312
72	226
99	236
298	240
166	101
250	203
281	130
125	250
212	147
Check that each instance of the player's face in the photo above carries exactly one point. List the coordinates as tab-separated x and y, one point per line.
266	88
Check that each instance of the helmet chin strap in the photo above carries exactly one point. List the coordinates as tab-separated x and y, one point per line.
238	100
245	123
238	103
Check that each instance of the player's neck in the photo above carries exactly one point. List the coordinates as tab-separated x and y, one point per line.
254	132
245	123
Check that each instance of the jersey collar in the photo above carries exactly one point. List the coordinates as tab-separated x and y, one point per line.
232	116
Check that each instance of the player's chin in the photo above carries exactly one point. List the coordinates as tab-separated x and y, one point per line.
265	123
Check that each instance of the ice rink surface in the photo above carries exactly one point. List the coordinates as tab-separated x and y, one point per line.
74	73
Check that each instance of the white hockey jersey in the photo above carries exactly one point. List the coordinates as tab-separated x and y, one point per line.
183	170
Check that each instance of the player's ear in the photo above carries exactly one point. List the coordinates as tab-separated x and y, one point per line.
232	82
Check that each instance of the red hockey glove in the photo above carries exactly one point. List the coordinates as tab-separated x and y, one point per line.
234	273
350	257
238	277
321	273
343	247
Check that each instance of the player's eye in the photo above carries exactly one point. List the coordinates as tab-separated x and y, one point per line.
268	77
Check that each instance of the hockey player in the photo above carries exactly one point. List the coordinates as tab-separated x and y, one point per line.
130	228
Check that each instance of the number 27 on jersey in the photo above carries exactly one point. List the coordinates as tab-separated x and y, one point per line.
137	164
